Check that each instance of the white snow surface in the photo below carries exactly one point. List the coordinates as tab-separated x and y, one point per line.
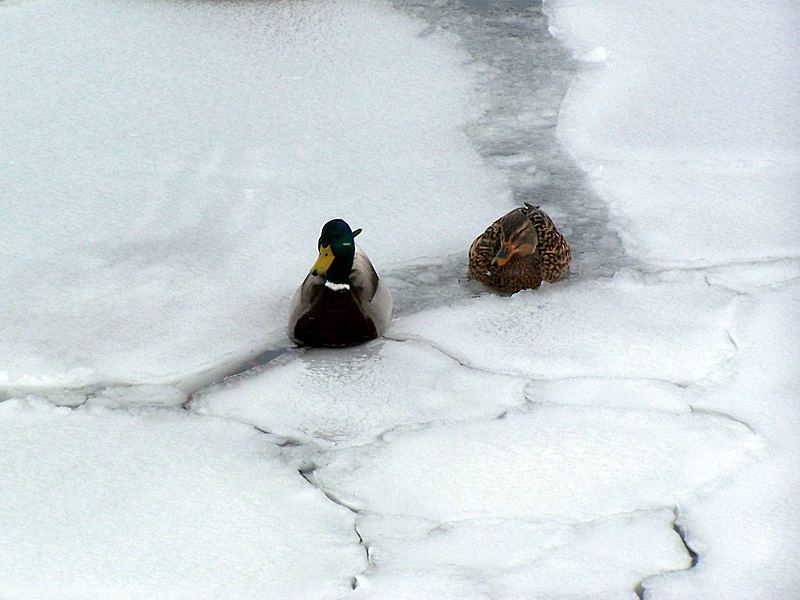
523	559
165	170
669	327
351	396
160	504
551	462
747	533
689	129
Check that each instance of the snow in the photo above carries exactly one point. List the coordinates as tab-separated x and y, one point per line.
668	327
351	396
611	392
689	128
625	432
510	558
547	462
160	203
98	504
757	516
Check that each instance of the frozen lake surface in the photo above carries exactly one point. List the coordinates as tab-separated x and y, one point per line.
165	168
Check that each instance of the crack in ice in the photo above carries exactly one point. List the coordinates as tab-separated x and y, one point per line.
677	527
308	475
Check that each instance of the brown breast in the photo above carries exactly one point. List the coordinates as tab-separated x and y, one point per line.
334	319
518	274
549	262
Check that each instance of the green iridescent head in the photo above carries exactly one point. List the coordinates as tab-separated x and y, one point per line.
336	251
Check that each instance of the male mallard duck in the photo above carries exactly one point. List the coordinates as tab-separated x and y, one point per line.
342	301
519	250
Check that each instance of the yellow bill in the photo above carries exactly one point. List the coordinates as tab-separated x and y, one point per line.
323	261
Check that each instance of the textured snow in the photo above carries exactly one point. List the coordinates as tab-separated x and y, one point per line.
517	558
755	277
689	129
161	201
350	396
164	171
612	392
747	533
550	462
663	328
101	504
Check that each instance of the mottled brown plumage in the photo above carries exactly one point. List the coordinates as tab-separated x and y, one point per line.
519	251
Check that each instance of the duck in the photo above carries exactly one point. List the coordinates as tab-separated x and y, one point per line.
342	301
519	251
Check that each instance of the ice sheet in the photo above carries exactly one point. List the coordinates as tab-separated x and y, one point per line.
351	396
689	128
518	559
568	462
166	169
746	533
637	394
670	328
159	504
159	207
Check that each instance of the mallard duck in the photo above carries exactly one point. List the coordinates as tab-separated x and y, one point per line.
519	251
342	301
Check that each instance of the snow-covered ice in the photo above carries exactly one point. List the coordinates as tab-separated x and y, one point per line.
547	462
613	392
747	533
671	328
351	396
513	558
164	171
690	128
162	200
158	504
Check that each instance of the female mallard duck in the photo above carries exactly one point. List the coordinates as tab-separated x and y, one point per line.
519	250
342	301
